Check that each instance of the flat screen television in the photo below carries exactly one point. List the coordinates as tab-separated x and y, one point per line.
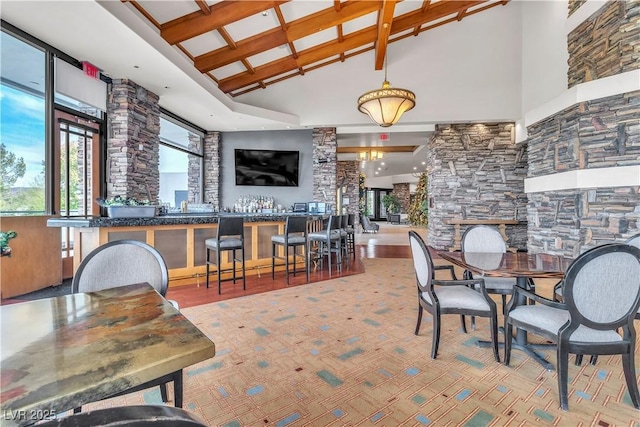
267	167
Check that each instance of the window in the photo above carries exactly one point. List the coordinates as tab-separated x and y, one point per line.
22	128
181	154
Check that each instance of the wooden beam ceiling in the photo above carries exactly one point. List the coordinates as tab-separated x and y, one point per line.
358	39
347	41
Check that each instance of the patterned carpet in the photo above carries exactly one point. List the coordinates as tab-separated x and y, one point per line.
342	352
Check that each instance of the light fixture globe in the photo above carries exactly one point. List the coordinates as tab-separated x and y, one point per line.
385	106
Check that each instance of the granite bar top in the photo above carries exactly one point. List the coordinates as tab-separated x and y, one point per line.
170	219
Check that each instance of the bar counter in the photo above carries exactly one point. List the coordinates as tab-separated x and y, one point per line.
180	238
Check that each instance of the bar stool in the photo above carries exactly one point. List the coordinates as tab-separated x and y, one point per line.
325	241
295	235
351	238
230	237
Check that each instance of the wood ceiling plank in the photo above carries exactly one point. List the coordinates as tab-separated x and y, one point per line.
360	38
435	11
385	17
204	7
296	30
223	13
306	57
243	49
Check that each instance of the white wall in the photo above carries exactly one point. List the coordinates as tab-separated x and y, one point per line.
297	140
544	51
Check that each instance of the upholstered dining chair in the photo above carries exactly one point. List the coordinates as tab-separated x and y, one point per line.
601	294
121	263
439	297
557	296
484	238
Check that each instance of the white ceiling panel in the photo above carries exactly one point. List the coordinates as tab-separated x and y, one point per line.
204	43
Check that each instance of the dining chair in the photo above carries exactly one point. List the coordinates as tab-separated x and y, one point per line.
295	236
601	294
121	263
484	238
439	297
557	296
130	416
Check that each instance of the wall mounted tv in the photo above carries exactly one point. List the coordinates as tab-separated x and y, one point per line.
267	167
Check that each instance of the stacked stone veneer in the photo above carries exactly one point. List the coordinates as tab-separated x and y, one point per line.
606	44
475	171
134	123
575	5
325	166
212	169
403	192
194	181
600	133
595	134
348	176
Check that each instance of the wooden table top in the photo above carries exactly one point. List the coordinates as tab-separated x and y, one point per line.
60	353
510	264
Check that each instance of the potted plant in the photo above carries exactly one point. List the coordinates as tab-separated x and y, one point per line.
127	207
391	203
5	236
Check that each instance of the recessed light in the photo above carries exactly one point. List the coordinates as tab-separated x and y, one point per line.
415	167
167	87
382	163
265	13
424	163
136	66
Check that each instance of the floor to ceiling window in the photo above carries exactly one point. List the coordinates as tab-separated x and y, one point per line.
181	154
22	128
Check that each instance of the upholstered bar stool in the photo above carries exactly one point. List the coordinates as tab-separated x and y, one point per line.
351	235
327	242
230	237
295	236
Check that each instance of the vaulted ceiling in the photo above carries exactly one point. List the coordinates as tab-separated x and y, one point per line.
248	45
274	65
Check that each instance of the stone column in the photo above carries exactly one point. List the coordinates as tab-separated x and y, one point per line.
212	169
325	159
133	152
348	174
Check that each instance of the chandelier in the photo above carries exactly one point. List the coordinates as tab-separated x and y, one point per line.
385	106
370	155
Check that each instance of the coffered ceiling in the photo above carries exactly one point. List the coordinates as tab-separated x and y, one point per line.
248	45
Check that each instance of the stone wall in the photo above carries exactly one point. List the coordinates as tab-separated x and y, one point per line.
325	159
212	169
475	171
606	44
594	134
133	151
348	175
403	193
575	5
572	221
194	180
